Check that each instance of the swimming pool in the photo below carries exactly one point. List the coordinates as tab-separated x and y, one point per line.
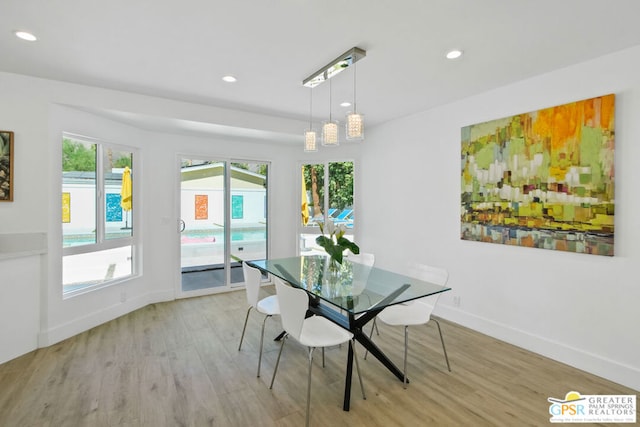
186	237
201	236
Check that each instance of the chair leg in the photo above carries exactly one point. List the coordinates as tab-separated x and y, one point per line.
355	357
309	383
375	325
406	347
443	347
323	357
261	341
244	327
284	338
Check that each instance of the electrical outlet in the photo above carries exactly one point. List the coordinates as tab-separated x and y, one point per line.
456	301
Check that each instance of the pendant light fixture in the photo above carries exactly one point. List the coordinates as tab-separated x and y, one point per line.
310	135
355	121
330	128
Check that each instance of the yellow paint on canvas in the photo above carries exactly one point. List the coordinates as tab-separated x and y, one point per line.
558	173
601	219
536	209
557	210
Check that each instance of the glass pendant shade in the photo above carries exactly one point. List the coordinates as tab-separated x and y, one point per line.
355	126
310	140
330	133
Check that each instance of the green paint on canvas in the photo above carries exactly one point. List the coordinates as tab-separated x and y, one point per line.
569	213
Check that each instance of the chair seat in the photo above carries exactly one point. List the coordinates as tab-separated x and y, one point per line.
269	305
413	313
320	332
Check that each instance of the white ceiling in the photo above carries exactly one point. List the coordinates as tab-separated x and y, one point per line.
181	49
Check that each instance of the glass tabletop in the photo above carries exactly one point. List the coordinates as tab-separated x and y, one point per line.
351	286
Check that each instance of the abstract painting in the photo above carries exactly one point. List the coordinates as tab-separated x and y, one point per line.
543	179
6	166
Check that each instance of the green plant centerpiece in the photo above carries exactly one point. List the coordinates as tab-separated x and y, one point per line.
334	242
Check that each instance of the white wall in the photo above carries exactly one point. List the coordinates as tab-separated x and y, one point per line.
583	310
38	111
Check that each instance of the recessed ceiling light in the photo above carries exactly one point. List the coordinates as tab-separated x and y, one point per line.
26	36
345	104
453	54
229	79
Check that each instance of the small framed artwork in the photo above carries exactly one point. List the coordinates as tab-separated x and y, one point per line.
6	166
202	206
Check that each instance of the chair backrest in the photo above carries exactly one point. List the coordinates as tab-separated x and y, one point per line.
428	273
293	307
431	274
365	258
252	280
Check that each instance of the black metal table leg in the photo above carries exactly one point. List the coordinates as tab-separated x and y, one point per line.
347	385
363	339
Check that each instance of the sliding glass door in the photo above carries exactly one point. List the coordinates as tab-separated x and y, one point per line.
223	221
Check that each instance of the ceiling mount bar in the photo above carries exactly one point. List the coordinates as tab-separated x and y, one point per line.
342	62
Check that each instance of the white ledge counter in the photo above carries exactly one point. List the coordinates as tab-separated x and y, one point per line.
16	245
20	277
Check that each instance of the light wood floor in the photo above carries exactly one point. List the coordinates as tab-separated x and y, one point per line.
177	364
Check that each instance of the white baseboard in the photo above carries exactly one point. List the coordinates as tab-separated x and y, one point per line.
628	376
84	323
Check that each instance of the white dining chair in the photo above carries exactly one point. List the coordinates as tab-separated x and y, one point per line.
267	306
416	312
367	259
312	332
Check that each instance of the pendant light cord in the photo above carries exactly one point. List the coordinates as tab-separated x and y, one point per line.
354	86
330	100
310	108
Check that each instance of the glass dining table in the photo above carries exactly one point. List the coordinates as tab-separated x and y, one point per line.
349	294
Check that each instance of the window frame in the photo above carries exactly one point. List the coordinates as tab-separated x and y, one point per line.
102	243
314	230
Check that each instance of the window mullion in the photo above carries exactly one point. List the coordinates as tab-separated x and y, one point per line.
326	192
100	196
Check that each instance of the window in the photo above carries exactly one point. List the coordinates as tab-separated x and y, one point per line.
98	202
327	193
